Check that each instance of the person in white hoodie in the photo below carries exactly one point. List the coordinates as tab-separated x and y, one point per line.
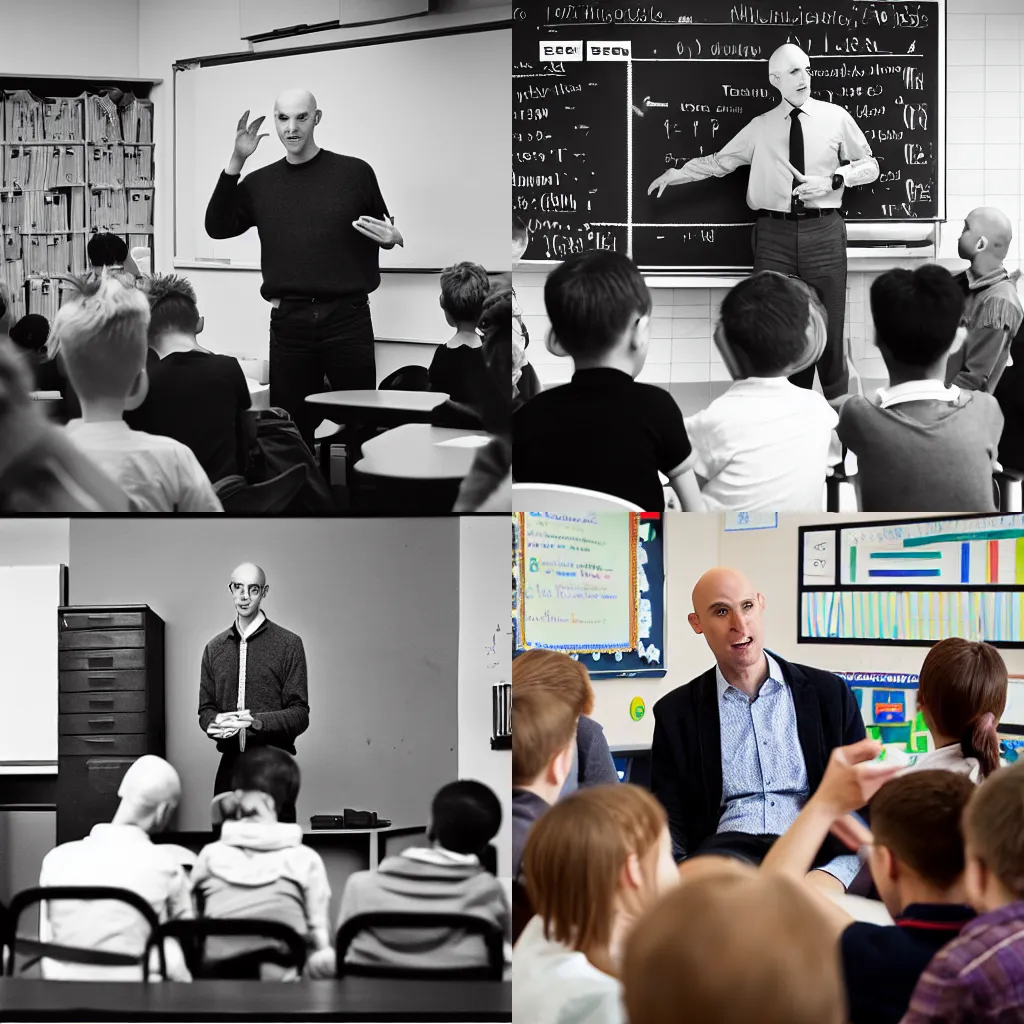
592	864
259	868
446	877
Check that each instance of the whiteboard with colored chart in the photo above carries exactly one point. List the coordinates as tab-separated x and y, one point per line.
914	581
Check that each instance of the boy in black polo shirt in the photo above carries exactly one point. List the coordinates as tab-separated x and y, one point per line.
603	431
195	396
915	852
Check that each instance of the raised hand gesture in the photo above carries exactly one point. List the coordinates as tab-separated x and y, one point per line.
247	138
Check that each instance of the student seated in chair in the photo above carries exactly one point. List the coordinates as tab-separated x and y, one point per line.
197	397
444	878
120	855
101	333
259	867
458	366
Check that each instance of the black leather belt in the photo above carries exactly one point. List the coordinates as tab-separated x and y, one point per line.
801	215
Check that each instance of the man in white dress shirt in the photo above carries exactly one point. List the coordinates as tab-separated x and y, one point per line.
802	155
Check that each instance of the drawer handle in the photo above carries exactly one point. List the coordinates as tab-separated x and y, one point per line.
99	618
101	721
96	701
100	680
97	739
100	662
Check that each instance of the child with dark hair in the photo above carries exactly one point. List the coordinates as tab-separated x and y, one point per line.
915	852
109	250
457	367
259	868
445	878
921	446
525	382
197	397
764	443
488	485
962	693
29	334
604	431
978	978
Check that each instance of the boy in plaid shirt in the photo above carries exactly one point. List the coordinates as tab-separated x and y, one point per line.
979	976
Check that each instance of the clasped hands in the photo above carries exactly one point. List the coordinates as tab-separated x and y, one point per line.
228	723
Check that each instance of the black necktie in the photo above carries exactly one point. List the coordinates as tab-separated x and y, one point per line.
796	149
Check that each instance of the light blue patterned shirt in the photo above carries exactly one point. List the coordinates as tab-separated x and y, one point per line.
764	778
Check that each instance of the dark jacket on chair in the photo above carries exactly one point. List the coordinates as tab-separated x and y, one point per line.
686	752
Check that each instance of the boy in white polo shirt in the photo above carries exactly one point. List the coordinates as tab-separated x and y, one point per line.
764	443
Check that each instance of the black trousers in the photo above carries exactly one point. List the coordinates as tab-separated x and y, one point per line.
222	783
752	849
814	250
310	340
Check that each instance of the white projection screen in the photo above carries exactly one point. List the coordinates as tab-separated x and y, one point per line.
29	598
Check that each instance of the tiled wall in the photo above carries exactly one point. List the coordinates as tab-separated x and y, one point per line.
985	165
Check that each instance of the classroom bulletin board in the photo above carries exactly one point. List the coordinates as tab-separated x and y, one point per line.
913	582
592	586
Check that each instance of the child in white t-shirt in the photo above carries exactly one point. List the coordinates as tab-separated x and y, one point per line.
764	443
101	336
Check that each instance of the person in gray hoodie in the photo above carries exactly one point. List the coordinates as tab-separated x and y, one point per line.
445	877
259	868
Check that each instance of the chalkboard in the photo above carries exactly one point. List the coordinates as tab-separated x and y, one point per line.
593	587
641	88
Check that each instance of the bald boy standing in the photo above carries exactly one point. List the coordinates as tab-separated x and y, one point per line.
322	221
253	682
992	313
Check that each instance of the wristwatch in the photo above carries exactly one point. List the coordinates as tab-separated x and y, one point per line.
838	181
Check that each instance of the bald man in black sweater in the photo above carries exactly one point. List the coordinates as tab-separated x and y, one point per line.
322	221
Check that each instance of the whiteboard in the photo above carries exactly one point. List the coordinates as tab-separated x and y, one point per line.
29	598
430	116
579	581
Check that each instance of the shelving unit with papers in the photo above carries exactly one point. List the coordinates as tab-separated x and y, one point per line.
76	157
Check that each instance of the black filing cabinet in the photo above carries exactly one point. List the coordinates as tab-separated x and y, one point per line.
111	711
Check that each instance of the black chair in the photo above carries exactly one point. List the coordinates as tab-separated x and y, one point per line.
406	378
270	496
37	950
192	935
493	938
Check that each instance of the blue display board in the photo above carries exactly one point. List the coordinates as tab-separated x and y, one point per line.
648	656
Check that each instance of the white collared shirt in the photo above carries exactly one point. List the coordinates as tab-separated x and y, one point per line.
243	648
122	856
917	391
830	136
763	445
158	473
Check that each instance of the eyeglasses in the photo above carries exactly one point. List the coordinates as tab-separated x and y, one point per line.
254	590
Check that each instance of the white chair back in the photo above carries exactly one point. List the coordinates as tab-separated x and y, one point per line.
560	498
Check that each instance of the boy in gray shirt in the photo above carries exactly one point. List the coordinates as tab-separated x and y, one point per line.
921	446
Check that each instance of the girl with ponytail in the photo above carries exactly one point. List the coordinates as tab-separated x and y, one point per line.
962	694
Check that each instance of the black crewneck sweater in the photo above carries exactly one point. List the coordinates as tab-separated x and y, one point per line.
304	215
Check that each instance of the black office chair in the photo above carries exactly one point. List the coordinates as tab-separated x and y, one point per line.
406	378
192	935
37	950
493	938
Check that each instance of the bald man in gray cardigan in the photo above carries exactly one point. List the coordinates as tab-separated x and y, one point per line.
253	686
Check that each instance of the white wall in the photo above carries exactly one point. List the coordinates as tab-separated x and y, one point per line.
985	166
35	541
70	37
485	637
695	543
